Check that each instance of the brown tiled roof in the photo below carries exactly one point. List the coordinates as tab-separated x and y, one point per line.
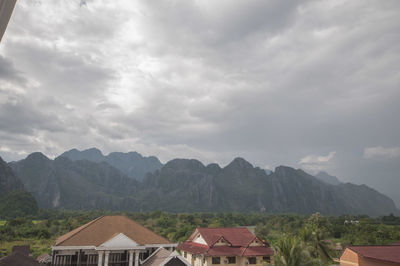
104	228
18	259
161	256
157	258
24	250
389	253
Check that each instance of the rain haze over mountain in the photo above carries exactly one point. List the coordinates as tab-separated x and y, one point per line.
309	84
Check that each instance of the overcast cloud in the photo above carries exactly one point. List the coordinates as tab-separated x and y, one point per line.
309	84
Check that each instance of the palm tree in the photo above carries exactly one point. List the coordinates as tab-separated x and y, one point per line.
290	252
316	241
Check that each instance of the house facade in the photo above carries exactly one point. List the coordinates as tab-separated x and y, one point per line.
107	241
225	247
371	256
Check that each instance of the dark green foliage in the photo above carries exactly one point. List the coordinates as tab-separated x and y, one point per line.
291	251
316	233
18	203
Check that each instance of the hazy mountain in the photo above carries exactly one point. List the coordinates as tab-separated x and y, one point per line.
184	185
330	179
132	164
188	185
14	200
8	181
74	184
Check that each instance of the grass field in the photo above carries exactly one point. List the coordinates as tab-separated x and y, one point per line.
2	222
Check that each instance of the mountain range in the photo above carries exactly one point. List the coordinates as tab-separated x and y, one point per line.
132	164
87	179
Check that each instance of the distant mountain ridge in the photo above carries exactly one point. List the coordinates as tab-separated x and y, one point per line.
241	187
186	185
132	164
62	183
330	179
14	199
8	180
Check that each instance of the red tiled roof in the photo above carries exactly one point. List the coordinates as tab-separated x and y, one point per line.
238	238
193	247
258	251
196	248
389	253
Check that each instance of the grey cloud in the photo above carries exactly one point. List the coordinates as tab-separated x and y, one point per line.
9	72
271	81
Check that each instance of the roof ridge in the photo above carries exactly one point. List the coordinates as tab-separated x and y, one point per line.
218	238
152	255
82	227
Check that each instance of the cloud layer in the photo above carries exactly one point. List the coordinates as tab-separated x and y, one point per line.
276	82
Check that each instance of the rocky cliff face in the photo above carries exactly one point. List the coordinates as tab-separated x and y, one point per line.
330	179
184	185
8	181
187	185
74	185
132	164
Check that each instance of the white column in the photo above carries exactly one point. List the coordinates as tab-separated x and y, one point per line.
100	259
106	258
136	258
130	257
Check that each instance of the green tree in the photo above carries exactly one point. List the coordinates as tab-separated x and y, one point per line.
291	252
316	241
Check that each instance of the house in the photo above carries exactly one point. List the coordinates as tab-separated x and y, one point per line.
163	257
108	240
19	256
219	246
371	256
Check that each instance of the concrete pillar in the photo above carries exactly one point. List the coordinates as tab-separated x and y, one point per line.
53	257
78	263
106	258
100	259
136	258
131	257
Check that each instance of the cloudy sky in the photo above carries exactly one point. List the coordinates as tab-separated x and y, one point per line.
309	84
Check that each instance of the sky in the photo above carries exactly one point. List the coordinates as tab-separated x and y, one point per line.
309	84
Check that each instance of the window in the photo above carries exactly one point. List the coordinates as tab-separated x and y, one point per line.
231	260
252	260
185	254
267	259
216	260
